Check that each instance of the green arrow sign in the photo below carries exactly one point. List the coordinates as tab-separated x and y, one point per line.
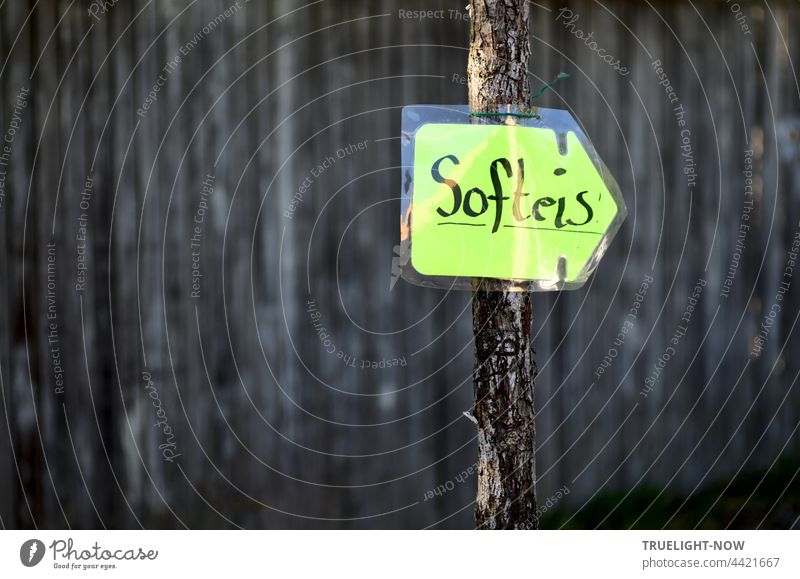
507	202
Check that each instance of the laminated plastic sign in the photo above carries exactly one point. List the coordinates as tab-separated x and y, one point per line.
515	197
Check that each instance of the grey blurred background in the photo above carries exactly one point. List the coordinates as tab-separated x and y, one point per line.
289	387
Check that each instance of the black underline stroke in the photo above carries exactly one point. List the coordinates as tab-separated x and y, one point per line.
467	224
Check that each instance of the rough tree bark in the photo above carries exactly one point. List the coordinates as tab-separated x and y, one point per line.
504	364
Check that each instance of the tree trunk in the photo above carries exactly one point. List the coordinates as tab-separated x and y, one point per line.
504	364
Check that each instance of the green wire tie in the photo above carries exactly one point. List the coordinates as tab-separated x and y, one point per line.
551	84
540	92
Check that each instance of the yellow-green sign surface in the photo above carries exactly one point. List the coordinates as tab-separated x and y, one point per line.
504	202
